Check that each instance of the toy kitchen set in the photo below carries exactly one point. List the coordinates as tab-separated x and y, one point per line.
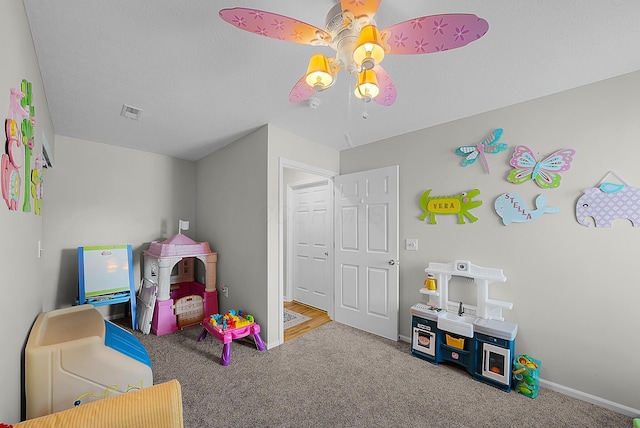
476	338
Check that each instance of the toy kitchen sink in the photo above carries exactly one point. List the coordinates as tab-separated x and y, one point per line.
475	337
459	324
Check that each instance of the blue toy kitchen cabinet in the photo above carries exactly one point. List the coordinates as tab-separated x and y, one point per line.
475	336
495	347
425	337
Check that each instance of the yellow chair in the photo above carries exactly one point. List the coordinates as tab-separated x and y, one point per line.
159	406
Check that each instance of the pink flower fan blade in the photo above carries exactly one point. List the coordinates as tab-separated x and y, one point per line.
275	26
435	33
301	91
387	95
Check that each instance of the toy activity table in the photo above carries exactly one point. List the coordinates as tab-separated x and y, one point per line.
226	336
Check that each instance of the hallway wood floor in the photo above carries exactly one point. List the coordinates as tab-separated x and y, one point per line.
317	316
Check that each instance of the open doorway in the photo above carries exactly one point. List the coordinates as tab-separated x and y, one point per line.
305	245
364	248
316	318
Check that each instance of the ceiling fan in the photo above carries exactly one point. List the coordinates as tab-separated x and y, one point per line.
350	29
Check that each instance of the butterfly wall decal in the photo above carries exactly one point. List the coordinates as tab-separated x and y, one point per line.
544	172
488	145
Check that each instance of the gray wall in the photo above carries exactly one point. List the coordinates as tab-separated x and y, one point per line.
98	194
21	268
575	289
231	213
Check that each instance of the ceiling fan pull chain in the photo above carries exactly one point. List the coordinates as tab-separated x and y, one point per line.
365	115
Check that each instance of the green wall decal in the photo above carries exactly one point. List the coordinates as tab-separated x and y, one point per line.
459	204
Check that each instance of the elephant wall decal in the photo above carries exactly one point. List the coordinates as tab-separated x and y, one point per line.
609	202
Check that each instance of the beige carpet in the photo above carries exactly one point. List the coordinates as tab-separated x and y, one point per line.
337	376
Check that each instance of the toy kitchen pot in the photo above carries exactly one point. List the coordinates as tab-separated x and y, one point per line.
475	337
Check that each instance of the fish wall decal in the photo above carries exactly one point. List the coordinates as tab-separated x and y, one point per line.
510	207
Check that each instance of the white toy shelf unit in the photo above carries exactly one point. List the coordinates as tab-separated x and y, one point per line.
486	308
181	301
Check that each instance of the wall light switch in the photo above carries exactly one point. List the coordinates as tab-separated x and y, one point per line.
411	244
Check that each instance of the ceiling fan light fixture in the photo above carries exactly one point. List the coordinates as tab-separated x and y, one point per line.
369	50
367	86
318	73
350	30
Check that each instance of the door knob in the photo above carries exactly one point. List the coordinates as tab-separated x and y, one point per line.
326	253
392	262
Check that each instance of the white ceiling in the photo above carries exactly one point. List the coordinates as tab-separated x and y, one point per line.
201	83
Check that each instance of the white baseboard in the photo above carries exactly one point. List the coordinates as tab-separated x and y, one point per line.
579	395
601	402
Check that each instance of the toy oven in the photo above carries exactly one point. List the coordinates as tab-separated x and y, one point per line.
496	363
424	339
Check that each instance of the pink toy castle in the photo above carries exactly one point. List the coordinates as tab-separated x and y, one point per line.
181	301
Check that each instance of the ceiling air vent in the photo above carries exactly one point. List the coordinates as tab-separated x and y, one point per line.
130	112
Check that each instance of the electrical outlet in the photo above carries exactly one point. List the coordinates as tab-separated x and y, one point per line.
225	290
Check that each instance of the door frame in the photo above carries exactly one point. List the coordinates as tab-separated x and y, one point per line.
292	164
290	256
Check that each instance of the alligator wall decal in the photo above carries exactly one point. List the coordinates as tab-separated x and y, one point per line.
459	204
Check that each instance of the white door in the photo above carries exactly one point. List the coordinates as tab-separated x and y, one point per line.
312	242
366	247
